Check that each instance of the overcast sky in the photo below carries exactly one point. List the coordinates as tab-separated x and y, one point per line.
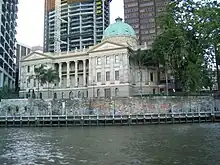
31	20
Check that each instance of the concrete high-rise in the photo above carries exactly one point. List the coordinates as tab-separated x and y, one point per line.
21	51
82	23
8	14
141	15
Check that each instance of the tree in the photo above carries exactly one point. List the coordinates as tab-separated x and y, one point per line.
202	17
45	76
50	77
142	59
5	92
183	42
209	30
38	75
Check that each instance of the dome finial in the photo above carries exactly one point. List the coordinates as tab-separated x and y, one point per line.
119	19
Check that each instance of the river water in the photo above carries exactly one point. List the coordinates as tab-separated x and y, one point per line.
196	144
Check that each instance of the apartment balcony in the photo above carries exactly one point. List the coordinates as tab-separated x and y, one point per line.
85	22
86	9
86	4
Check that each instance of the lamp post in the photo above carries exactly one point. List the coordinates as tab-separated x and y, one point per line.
130	108
111	107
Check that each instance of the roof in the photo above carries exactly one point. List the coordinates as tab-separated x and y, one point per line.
119	28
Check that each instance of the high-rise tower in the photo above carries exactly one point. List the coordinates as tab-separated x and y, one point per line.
81	23
141	15
8	14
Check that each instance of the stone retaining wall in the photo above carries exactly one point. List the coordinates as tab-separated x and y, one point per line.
117	106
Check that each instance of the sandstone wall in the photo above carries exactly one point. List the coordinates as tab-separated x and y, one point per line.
118	106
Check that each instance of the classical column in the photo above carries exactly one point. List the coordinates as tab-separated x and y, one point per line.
76	73
84	73
103	70
112	70
126	68
68	74
1	79
60	73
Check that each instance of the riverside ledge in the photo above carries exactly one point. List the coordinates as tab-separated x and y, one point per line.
93	120
108	111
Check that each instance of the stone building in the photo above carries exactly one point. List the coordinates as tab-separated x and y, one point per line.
103	70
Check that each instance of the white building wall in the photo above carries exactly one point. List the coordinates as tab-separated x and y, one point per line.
77	86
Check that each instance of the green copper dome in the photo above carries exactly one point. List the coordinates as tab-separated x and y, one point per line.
119	28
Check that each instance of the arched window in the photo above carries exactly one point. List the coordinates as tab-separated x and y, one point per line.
98	92
55	95
17	109
71	95
33	94
116	91
79	94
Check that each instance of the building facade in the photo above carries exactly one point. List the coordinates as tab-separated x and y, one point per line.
103	70
141	15
8	14
22	50
37	48
83	23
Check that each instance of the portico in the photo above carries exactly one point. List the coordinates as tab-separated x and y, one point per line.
73	73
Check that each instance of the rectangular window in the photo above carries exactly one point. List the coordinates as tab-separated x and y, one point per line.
98	76
151	77
107	76
116	59
34	82
116	75
28	69
107	60
28	82
99	61
108	92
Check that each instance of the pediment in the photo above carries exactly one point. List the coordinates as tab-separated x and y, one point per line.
106	45
35	56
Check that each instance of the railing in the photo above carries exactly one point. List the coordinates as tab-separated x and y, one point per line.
85	120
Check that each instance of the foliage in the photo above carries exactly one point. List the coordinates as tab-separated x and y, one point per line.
5	92
50	76
39	74
143	59
187	31
45	76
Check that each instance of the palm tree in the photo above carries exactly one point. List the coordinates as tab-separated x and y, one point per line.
38	75
45	76
143	59
51	76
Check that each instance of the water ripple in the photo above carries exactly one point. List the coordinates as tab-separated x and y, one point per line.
141	145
